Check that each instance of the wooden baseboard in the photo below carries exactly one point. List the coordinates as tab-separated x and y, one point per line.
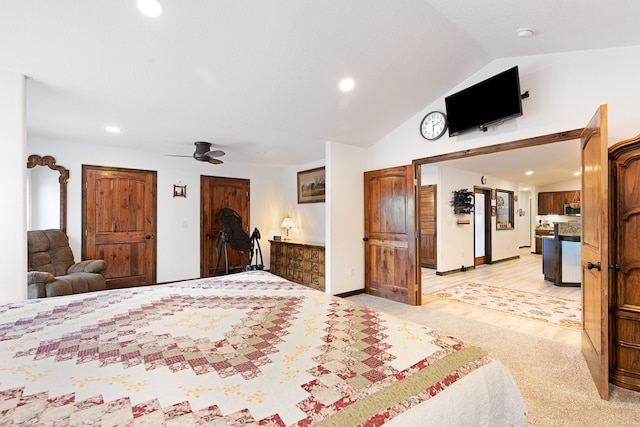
505	259
457	270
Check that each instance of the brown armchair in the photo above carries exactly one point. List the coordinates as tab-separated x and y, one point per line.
52	270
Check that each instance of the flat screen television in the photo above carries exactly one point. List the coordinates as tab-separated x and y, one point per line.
491	101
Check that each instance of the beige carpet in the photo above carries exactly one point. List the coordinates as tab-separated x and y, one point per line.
552	377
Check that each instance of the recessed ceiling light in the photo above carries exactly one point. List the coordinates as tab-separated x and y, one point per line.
150	8
524	33
528	173
346	85
112	129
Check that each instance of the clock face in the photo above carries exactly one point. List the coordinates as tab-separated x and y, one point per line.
433	126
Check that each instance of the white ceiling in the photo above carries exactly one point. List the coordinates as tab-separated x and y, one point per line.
259	78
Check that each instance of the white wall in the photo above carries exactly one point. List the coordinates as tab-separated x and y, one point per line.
13	251
523	222
345	218
309	218
455	242
565	91
565	88
178	233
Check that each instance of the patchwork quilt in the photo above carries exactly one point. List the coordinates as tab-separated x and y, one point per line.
245	349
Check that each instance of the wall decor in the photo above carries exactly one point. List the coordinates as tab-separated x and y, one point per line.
462	201
505	210
179	190
311	185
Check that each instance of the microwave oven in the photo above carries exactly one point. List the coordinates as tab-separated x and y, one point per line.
569	211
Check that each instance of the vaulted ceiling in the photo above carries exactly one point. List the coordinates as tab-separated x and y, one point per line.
260	79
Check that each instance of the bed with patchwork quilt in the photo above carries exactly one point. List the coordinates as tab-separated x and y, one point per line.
243	349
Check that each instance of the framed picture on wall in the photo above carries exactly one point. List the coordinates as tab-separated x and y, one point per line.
311	185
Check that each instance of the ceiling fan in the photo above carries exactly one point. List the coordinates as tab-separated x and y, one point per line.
204	153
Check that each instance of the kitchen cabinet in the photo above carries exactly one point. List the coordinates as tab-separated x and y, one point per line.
540	233
552	202
549	258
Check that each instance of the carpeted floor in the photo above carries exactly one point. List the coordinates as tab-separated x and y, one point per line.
542	308
553	377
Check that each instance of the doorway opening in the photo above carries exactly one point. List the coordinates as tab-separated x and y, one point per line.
482	226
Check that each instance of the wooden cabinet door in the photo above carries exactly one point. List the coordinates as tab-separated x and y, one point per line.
391	264
544	203
119	216
625	253
557	203
595	250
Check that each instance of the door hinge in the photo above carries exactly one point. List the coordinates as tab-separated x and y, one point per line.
415	182
416	234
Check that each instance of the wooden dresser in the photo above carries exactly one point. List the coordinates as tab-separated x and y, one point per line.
299	262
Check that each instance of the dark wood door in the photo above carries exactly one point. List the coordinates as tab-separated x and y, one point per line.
218	193
119	216
595	250
428	221
624	168
390	235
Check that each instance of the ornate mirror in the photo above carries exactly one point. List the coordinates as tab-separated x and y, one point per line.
46	194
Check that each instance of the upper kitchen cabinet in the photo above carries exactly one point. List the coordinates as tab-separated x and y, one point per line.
553	202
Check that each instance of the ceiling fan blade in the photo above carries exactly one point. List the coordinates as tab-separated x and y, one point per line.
214	161
176	155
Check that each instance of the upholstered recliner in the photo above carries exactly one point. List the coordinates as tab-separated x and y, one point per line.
53	271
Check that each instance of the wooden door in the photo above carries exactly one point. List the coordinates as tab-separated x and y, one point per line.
119	216
217	193
390	235
428	221
595	250
624	171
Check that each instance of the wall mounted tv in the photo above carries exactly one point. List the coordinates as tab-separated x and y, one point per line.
491	101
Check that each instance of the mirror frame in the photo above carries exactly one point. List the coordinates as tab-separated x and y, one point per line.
50	161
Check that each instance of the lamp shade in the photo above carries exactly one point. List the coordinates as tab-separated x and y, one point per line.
287	223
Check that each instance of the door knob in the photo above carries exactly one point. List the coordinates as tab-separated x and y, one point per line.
591	265
615	267
148	236
365	239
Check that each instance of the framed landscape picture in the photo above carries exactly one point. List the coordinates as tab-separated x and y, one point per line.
311	185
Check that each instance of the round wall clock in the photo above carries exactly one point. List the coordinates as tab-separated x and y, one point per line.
434	125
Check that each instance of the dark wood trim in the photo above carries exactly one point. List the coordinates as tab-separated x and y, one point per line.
505	259
457	270
506	146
